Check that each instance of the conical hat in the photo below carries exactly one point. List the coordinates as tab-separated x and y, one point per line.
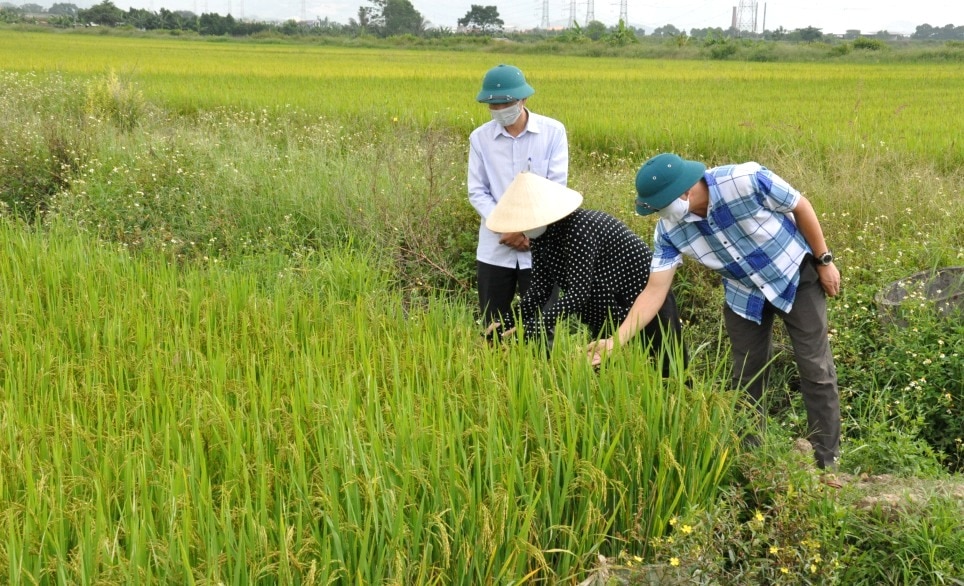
531	201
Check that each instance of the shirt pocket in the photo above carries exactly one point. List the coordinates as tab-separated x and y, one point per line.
539	166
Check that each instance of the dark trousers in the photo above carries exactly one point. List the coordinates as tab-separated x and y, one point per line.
806	324
498	287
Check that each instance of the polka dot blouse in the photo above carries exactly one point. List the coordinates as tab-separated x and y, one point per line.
599	264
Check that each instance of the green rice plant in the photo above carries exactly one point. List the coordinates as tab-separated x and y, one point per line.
116	100
178	424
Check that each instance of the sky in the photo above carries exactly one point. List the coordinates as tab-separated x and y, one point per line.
831	16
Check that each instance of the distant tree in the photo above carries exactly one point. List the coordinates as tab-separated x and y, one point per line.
952	33
779	34
621	35
189	20
926	32
10	15
666	31
702	33
810	34
573	34
364	19
483	18
177	21
141	18
105	13
326	26
32	8
401	18
62	21
289	27
215	24
395	17
923	32
595	30
63	9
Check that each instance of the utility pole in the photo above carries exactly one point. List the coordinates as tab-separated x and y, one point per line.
590	13
746	16
545	15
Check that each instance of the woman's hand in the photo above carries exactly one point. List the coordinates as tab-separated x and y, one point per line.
598	349
516	240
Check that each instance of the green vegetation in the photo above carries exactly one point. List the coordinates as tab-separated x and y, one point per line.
237	342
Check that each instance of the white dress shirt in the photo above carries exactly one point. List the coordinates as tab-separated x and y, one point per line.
495	158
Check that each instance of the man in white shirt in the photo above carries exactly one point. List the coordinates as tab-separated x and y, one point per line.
515	140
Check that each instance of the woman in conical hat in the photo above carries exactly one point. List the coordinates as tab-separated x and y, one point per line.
599	264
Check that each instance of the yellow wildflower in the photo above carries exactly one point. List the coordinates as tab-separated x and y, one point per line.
674	562
687	529
774	550
758	516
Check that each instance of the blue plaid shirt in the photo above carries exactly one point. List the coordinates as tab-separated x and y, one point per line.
748	236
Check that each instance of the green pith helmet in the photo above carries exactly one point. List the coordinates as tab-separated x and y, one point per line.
504	84
662	179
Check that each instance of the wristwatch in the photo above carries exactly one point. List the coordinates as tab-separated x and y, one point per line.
825	258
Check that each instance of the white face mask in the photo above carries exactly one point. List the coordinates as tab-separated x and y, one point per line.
507	116
535	232
675	211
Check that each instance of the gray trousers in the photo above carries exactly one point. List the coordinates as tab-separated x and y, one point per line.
806	324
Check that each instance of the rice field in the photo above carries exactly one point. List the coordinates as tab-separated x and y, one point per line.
707	108
222	359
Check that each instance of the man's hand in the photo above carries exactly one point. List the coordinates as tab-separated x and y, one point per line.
596	350
829	279
516	240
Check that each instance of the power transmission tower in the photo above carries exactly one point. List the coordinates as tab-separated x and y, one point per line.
590	13
624	11
572	13
745	17
545	14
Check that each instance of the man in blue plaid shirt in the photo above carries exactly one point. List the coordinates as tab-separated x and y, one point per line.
763	237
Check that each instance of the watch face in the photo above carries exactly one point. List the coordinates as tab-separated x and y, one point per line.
826	258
